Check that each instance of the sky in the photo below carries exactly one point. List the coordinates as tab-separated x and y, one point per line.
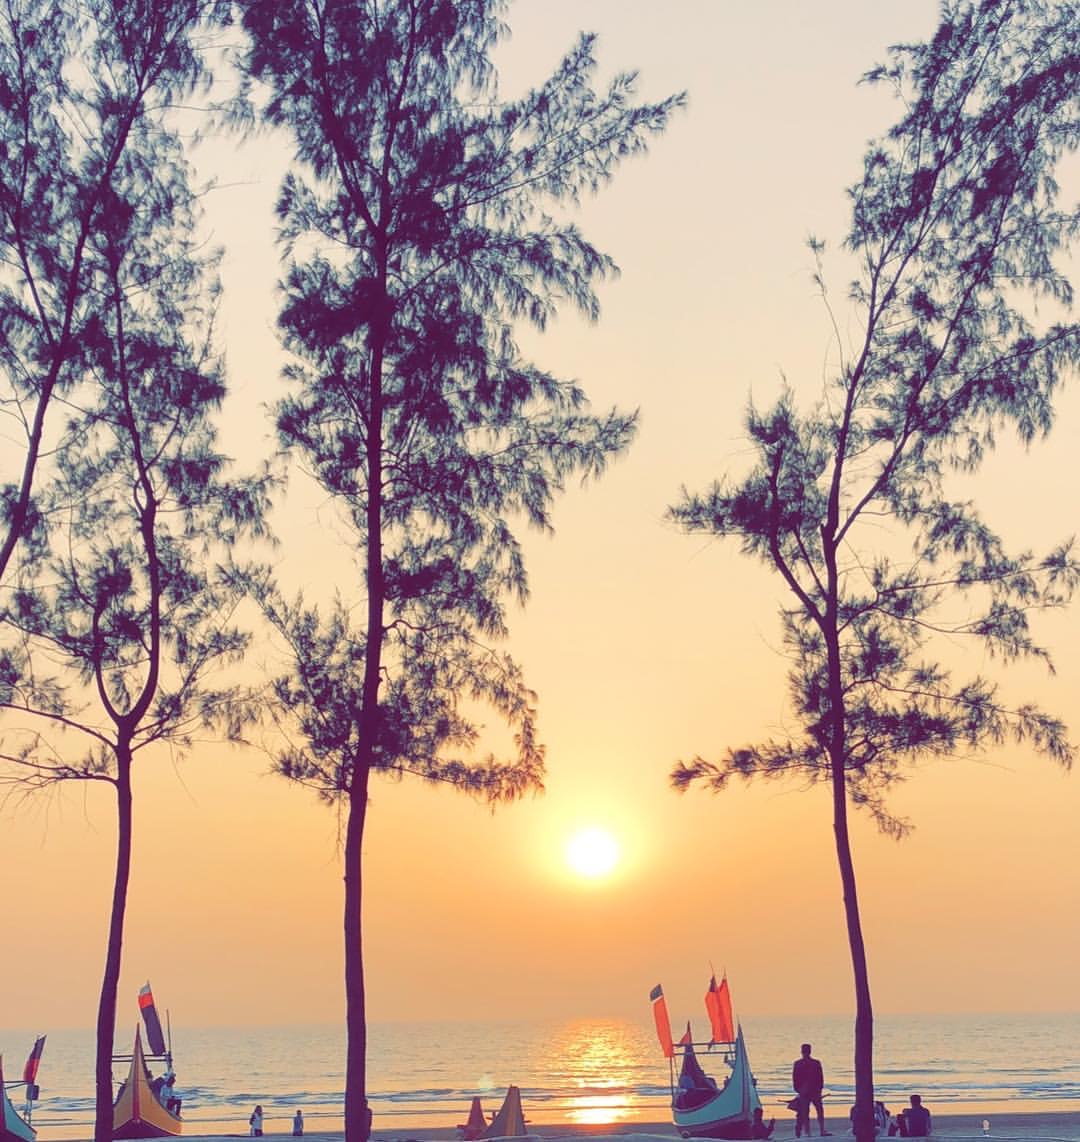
645	646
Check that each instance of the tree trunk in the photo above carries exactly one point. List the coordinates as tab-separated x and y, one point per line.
864	1012
106	1021
357	1114
837	748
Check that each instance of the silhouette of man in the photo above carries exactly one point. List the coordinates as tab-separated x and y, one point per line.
808	1079
918	1118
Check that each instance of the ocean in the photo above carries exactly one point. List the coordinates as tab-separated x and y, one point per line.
580	1071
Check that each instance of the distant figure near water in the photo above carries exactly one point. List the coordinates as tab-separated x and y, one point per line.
808	1079
298	1124
256	1121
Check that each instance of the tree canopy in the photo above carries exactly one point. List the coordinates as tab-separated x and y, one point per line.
116	619
84	90
961	304
423	223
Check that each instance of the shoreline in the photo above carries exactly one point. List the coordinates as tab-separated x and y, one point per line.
1009	1126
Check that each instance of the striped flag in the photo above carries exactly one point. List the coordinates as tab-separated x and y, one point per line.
154	1038
31	1068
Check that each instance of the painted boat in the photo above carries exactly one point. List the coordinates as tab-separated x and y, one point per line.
701	1107
13	1127
137	1112
144	1106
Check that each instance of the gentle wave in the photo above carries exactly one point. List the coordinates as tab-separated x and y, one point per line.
584	1071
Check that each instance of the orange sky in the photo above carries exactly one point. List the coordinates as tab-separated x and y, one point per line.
645	646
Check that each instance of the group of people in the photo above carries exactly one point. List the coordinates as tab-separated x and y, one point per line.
808	1079
164	1087
256	1123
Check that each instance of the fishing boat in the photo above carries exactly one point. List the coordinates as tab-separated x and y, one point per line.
145	1106
15	1127
701	1107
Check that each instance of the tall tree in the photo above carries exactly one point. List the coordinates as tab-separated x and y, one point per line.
956	232
418	237
81	86
113	634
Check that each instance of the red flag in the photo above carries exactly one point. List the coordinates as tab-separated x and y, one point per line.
687	1038
718	1005
31	1068
663	1023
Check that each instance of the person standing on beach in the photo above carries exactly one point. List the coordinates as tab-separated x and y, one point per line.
256	1122
808	1079
298	1124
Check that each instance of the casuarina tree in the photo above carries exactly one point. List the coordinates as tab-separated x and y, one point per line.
962	316
116	626
424	220
82	86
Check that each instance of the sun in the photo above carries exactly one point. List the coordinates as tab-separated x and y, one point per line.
592	853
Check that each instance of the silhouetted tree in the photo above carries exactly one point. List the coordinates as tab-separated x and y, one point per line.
82	87
955	230
113	631
418	238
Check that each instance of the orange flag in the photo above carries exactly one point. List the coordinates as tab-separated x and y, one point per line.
718	1005
663	1023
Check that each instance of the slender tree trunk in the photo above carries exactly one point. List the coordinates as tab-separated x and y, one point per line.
357	1112
357	1122
864	1012
106	1021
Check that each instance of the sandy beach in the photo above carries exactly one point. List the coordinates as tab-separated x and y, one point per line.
1007	1127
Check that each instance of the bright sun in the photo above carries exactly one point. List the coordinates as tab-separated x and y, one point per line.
592	853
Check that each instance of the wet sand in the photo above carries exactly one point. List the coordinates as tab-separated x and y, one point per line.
1004	1127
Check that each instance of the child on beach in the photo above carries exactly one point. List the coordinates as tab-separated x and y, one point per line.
256	1120
760	1128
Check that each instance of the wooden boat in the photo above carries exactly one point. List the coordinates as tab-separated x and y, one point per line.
137	1112
142	1106
13	1127
700	1107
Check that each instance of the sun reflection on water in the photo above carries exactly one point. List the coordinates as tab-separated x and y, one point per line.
602	1062
598	1110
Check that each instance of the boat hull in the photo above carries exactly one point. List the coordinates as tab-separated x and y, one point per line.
730	1112
13	1127
137	1113
731	1128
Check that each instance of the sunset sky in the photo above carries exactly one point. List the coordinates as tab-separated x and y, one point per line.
645	646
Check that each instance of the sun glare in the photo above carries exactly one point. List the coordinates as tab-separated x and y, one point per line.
592	853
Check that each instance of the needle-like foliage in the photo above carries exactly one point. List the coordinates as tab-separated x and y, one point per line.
83	86
418	231
962	309
116	619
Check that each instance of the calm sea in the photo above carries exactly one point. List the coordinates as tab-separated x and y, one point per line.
585	1071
